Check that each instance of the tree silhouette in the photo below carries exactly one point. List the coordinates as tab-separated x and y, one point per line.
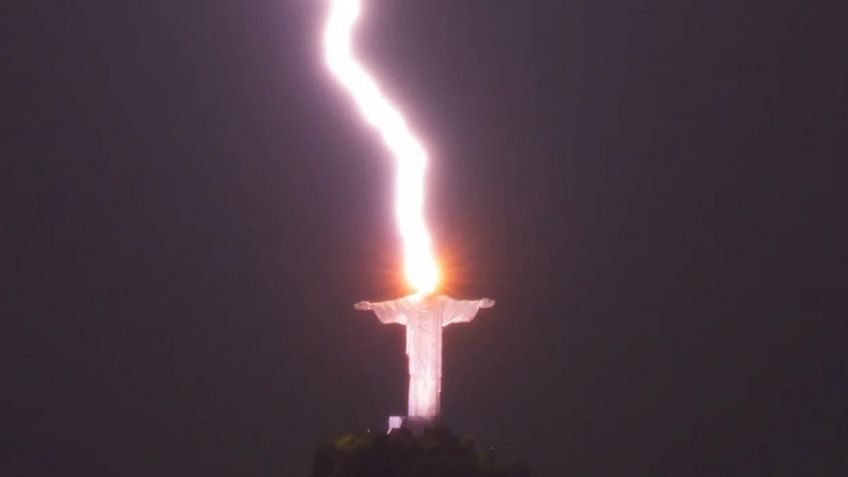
436	452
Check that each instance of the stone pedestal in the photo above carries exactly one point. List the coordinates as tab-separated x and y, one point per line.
416	425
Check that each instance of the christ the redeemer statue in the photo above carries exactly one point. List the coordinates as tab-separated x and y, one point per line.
424	316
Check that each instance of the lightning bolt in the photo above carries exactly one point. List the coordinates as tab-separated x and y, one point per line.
420	267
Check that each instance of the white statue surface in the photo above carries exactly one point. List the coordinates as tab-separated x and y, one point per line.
424	316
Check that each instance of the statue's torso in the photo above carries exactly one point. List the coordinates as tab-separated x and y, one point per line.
424	338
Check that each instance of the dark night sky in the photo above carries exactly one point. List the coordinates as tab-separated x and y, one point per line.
649	189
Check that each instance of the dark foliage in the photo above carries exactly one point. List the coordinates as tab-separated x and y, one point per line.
436	452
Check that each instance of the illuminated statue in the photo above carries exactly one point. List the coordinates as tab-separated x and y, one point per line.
424	316
425	313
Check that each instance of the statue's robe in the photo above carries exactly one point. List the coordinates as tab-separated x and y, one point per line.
424	318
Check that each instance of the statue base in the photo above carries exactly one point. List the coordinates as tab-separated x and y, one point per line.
416	425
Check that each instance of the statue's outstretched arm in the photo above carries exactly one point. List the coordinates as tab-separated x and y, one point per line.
463	311
388	312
